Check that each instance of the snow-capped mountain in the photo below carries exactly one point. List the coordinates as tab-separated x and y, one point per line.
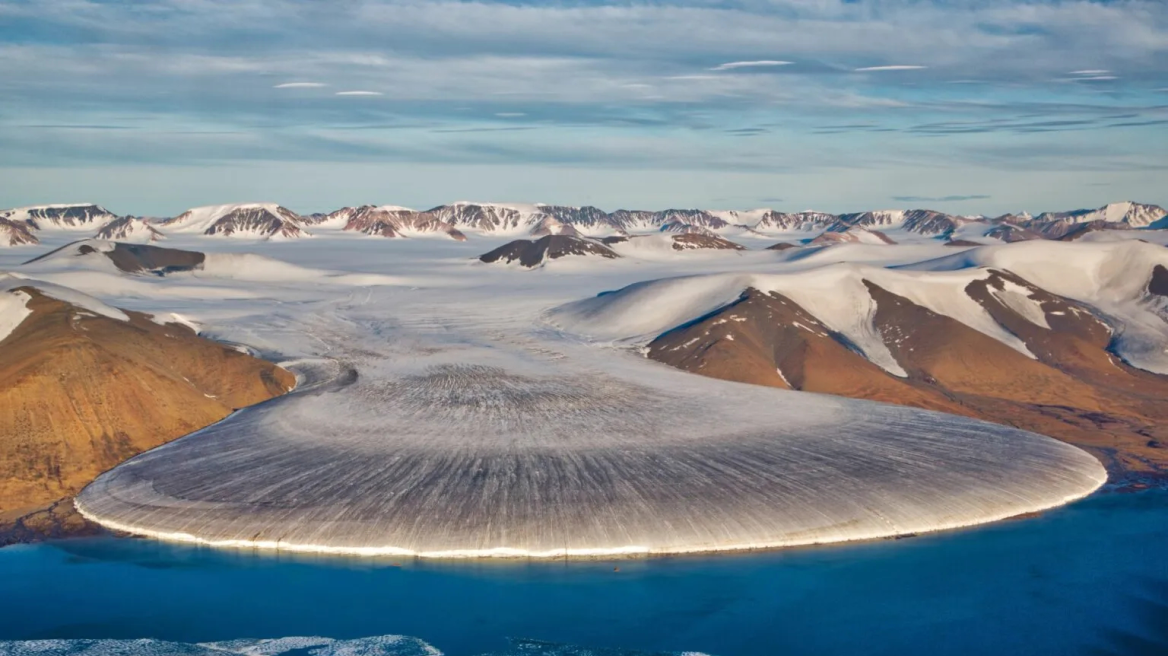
875	218
129	229
390	221
16	233
550	225
928	222
742	217
272	221
922	222
79	216
842	233
699	218
635	221
683	228
1135	215
489	217
538	219
772	221
588	220
254	220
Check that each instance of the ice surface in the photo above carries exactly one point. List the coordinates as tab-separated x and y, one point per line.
388	645
437	415
440	434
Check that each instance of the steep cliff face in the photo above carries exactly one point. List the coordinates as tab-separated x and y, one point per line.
80	392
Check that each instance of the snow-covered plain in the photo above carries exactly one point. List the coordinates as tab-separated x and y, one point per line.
440	413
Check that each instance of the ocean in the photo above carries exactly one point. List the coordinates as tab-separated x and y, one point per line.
1089	578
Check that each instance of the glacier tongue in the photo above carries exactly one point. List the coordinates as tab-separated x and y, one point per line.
441	429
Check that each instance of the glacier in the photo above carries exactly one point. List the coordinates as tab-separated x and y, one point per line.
440	415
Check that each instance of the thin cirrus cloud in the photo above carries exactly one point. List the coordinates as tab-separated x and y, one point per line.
300	85
359	93
760	63
891	67
940	199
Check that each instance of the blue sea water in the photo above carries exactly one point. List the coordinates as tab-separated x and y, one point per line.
1091	578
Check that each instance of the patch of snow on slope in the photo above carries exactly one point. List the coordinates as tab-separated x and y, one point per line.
65	294
1017	298
13	310
743	217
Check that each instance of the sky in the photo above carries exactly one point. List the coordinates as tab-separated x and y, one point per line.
965	106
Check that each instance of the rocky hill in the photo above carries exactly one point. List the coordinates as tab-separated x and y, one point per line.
531	254
129	229
1064	340
84	386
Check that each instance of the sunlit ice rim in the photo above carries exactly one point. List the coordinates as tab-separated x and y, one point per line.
580	553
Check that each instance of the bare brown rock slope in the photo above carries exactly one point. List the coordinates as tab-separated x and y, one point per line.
80	393
535	253
1074	389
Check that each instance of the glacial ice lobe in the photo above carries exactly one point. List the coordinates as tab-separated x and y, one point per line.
477	450
387	645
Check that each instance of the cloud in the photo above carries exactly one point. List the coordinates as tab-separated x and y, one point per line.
940	199
729	66
892	67
510	114
612	82
747	132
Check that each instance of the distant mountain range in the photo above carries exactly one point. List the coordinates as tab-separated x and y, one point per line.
22	226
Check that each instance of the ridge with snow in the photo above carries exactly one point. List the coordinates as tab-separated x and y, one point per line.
247	220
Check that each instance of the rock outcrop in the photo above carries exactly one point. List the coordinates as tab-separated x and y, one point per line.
534	253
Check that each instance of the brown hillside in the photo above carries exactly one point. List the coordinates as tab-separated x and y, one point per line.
81	393
1072	390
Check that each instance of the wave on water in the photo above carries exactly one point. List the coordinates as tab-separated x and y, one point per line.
386	645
